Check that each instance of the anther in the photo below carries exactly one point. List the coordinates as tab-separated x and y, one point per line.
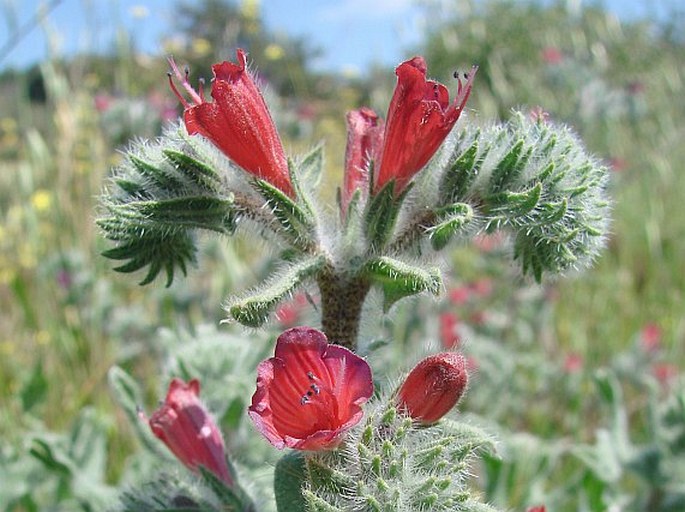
310	375
315	388
304	400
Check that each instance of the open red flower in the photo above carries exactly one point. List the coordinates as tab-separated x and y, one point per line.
364	143
419	118
433	387
237	122
185	426
310	393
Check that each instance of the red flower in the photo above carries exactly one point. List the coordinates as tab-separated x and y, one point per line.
449	322
364	143
665	373
573	363
433	387
237	122
419	118
309	394
650	338
185	426
539	508
552	55
289	313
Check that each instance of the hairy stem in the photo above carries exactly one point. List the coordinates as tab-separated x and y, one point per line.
342	298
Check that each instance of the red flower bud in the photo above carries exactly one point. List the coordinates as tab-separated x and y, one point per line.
237	122
364	144
310	393
433	387
185	426
419	118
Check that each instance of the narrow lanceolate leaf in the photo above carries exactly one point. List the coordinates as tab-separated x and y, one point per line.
162	250
157	198
202	175
310	168
509	167
296	223
399	279
514	204
232	500
205	212
381	215
129	396
460	175
254	309
157	176
452	220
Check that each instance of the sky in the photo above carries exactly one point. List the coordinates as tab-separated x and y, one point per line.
353	34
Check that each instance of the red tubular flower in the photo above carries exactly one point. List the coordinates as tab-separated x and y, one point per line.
237	122
433	387
310	393
364	144
419	118
185	426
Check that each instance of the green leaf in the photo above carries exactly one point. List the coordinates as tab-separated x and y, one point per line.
295	222
290	475
310	168
460	175
515	204
231	500
201	174
129	396
453	219
203	212
381	215
399	279
254	310
166	250
510	167
35	389
157	176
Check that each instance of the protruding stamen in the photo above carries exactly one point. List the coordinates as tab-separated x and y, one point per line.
202	89
183	78
175	91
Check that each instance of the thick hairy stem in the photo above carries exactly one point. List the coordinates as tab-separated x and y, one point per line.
342	298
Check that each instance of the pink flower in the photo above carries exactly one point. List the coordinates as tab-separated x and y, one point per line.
185	426
552	55
449	336
419	118
433	387
237	122
459	295
650	338
289	313
539	508
665	373
310	393
364	143
573	363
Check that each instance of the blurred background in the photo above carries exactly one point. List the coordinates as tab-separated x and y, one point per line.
581	379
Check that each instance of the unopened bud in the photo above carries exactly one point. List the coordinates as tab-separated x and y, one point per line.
433	387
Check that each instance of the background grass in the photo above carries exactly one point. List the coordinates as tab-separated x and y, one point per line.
67	317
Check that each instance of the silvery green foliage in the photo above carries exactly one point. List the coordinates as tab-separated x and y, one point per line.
534	180
528	177
387	463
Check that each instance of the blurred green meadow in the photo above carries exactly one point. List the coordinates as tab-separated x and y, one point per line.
581	379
